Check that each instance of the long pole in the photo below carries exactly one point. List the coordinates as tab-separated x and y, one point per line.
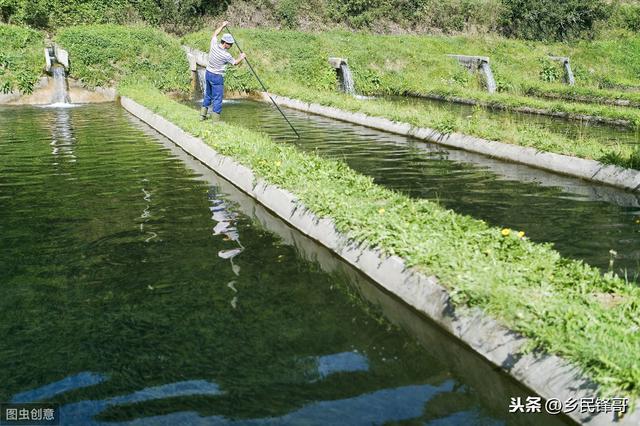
263	87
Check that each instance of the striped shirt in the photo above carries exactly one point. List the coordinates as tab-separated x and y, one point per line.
218	58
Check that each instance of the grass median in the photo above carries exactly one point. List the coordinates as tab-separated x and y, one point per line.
564	306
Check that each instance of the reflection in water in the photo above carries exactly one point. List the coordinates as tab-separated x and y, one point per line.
84	412
62	137
225	225
78	381
341	363
375	408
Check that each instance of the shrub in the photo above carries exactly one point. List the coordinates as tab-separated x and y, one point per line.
20	58
175	15
552	19
358	13
287	13
627	16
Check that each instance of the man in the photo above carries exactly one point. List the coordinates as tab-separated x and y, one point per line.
218	60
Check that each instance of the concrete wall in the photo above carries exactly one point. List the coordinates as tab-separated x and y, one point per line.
549	376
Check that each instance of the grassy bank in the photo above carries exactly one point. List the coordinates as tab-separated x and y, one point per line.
566	307
419	65
21	58
105	55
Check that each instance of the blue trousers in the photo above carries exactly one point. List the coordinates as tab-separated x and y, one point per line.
213	91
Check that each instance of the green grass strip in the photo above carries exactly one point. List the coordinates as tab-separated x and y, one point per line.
565	306
517	133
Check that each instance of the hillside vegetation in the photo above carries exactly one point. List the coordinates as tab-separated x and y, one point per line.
530	19
21	58
404	63
105	55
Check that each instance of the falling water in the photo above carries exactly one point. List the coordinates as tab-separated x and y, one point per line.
202	79
568	73
60	92
488	75
347	79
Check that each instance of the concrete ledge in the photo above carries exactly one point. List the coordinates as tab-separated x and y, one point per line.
590	170
547	375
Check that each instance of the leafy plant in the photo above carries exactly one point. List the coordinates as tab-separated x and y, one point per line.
549	71
20	58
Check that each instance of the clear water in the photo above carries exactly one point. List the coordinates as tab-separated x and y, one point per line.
573	129
138	288
582	220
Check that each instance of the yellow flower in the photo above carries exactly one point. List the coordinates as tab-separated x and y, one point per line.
381	211
278	163
520	234
638	221
505	232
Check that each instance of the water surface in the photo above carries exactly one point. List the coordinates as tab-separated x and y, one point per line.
136	290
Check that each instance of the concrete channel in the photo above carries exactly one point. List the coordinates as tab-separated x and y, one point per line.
551	377
589	170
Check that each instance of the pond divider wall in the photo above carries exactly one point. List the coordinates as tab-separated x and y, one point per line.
590	170
549	376
496	388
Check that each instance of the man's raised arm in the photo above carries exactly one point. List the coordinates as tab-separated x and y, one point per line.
217	32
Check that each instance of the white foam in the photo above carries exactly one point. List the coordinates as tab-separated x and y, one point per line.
60	105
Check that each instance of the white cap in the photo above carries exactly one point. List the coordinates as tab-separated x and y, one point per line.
227	38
